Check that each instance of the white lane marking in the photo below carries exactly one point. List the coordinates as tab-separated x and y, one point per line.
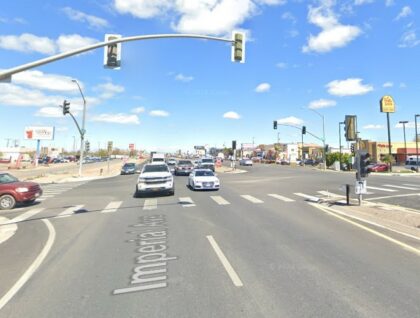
394	196
6	230
251	198
150	204
382	189
330	194
34	266
280	197
23	216
112	207
306	196
68	212
411	185
336	214
229	269
400	187
48	196
219	200
186	202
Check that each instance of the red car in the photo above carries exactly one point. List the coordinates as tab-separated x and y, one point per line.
380	167
13	191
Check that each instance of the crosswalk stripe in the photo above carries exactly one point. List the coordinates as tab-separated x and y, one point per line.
381	189
112	207
251	198
186	202
69	211
400	187
219	200
150	204
330	194
23	216
280	197
306	196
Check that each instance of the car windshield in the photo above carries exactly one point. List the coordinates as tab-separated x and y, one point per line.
7	178
207	160
129	165
184	162
155	168
204	173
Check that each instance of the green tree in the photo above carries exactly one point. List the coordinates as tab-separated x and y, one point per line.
388	159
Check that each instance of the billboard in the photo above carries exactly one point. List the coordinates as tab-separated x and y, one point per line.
247	146
39	133
387	104
131	146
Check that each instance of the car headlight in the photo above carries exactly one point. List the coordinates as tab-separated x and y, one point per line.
20	190
168	179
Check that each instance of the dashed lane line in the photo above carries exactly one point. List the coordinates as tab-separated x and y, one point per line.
251	198
400	187
150	204
280	197
381	189
69	211
219	200
186	202
112	207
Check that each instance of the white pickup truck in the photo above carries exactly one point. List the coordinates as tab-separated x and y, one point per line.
155	178
158	157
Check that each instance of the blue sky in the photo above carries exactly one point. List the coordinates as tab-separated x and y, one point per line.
338	57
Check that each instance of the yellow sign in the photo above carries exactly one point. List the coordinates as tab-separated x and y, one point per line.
387	104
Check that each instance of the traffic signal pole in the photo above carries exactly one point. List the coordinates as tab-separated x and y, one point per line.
82	131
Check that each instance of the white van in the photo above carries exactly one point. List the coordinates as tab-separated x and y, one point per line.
412	163
158	157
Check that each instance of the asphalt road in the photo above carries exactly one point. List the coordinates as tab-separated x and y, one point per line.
237	252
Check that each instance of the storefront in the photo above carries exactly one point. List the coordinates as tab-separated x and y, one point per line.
379	149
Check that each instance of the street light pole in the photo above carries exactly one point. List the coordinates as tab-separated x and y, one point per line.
417	143
403	122
324	155
83	131
339	139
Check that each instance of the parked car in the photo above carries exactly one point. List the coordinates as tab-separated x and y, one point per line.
155	178
13	191
380	167
184	167
245	162
128	168
308	162
283	162
203	179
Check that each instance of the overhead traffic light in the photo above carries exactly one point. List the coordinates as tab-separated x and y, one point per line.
112	52
352	148
303	130
110	145
238	47
233	144
66	107
87	146
350	127
364	162
275	124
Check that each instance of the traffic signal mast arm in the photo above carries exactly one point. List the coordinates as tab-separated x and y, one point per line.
5	75
75	121
300	128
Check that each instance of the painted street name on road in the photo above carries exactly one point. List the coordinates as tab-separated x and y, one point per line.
151	239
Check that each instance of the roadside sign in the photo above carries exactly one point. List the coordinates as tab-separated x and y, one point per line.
360	187
131	146
387	104
39	133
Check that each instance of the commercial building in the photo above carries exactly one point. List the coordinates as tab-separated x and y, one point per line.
379	149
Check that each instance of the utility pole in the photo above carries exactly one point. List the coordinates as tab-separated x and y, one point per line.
417	143
83	131
339	140
403	122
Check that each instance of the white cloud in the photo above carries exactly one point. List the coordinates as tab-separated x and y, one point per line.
361	2
108	90
409	125
405	12
403	85
216	17
373	126
290	121
389	3
409	39
322	103
281	65
231	115
388	84
138	110
348	87
263	88
53	112
289	16
183	78
28	43
73	41
40	80
159	113
92	20
14	95
119	118
333	35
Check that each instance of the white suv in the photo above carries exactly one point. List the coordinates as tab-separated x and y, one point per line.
155	177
